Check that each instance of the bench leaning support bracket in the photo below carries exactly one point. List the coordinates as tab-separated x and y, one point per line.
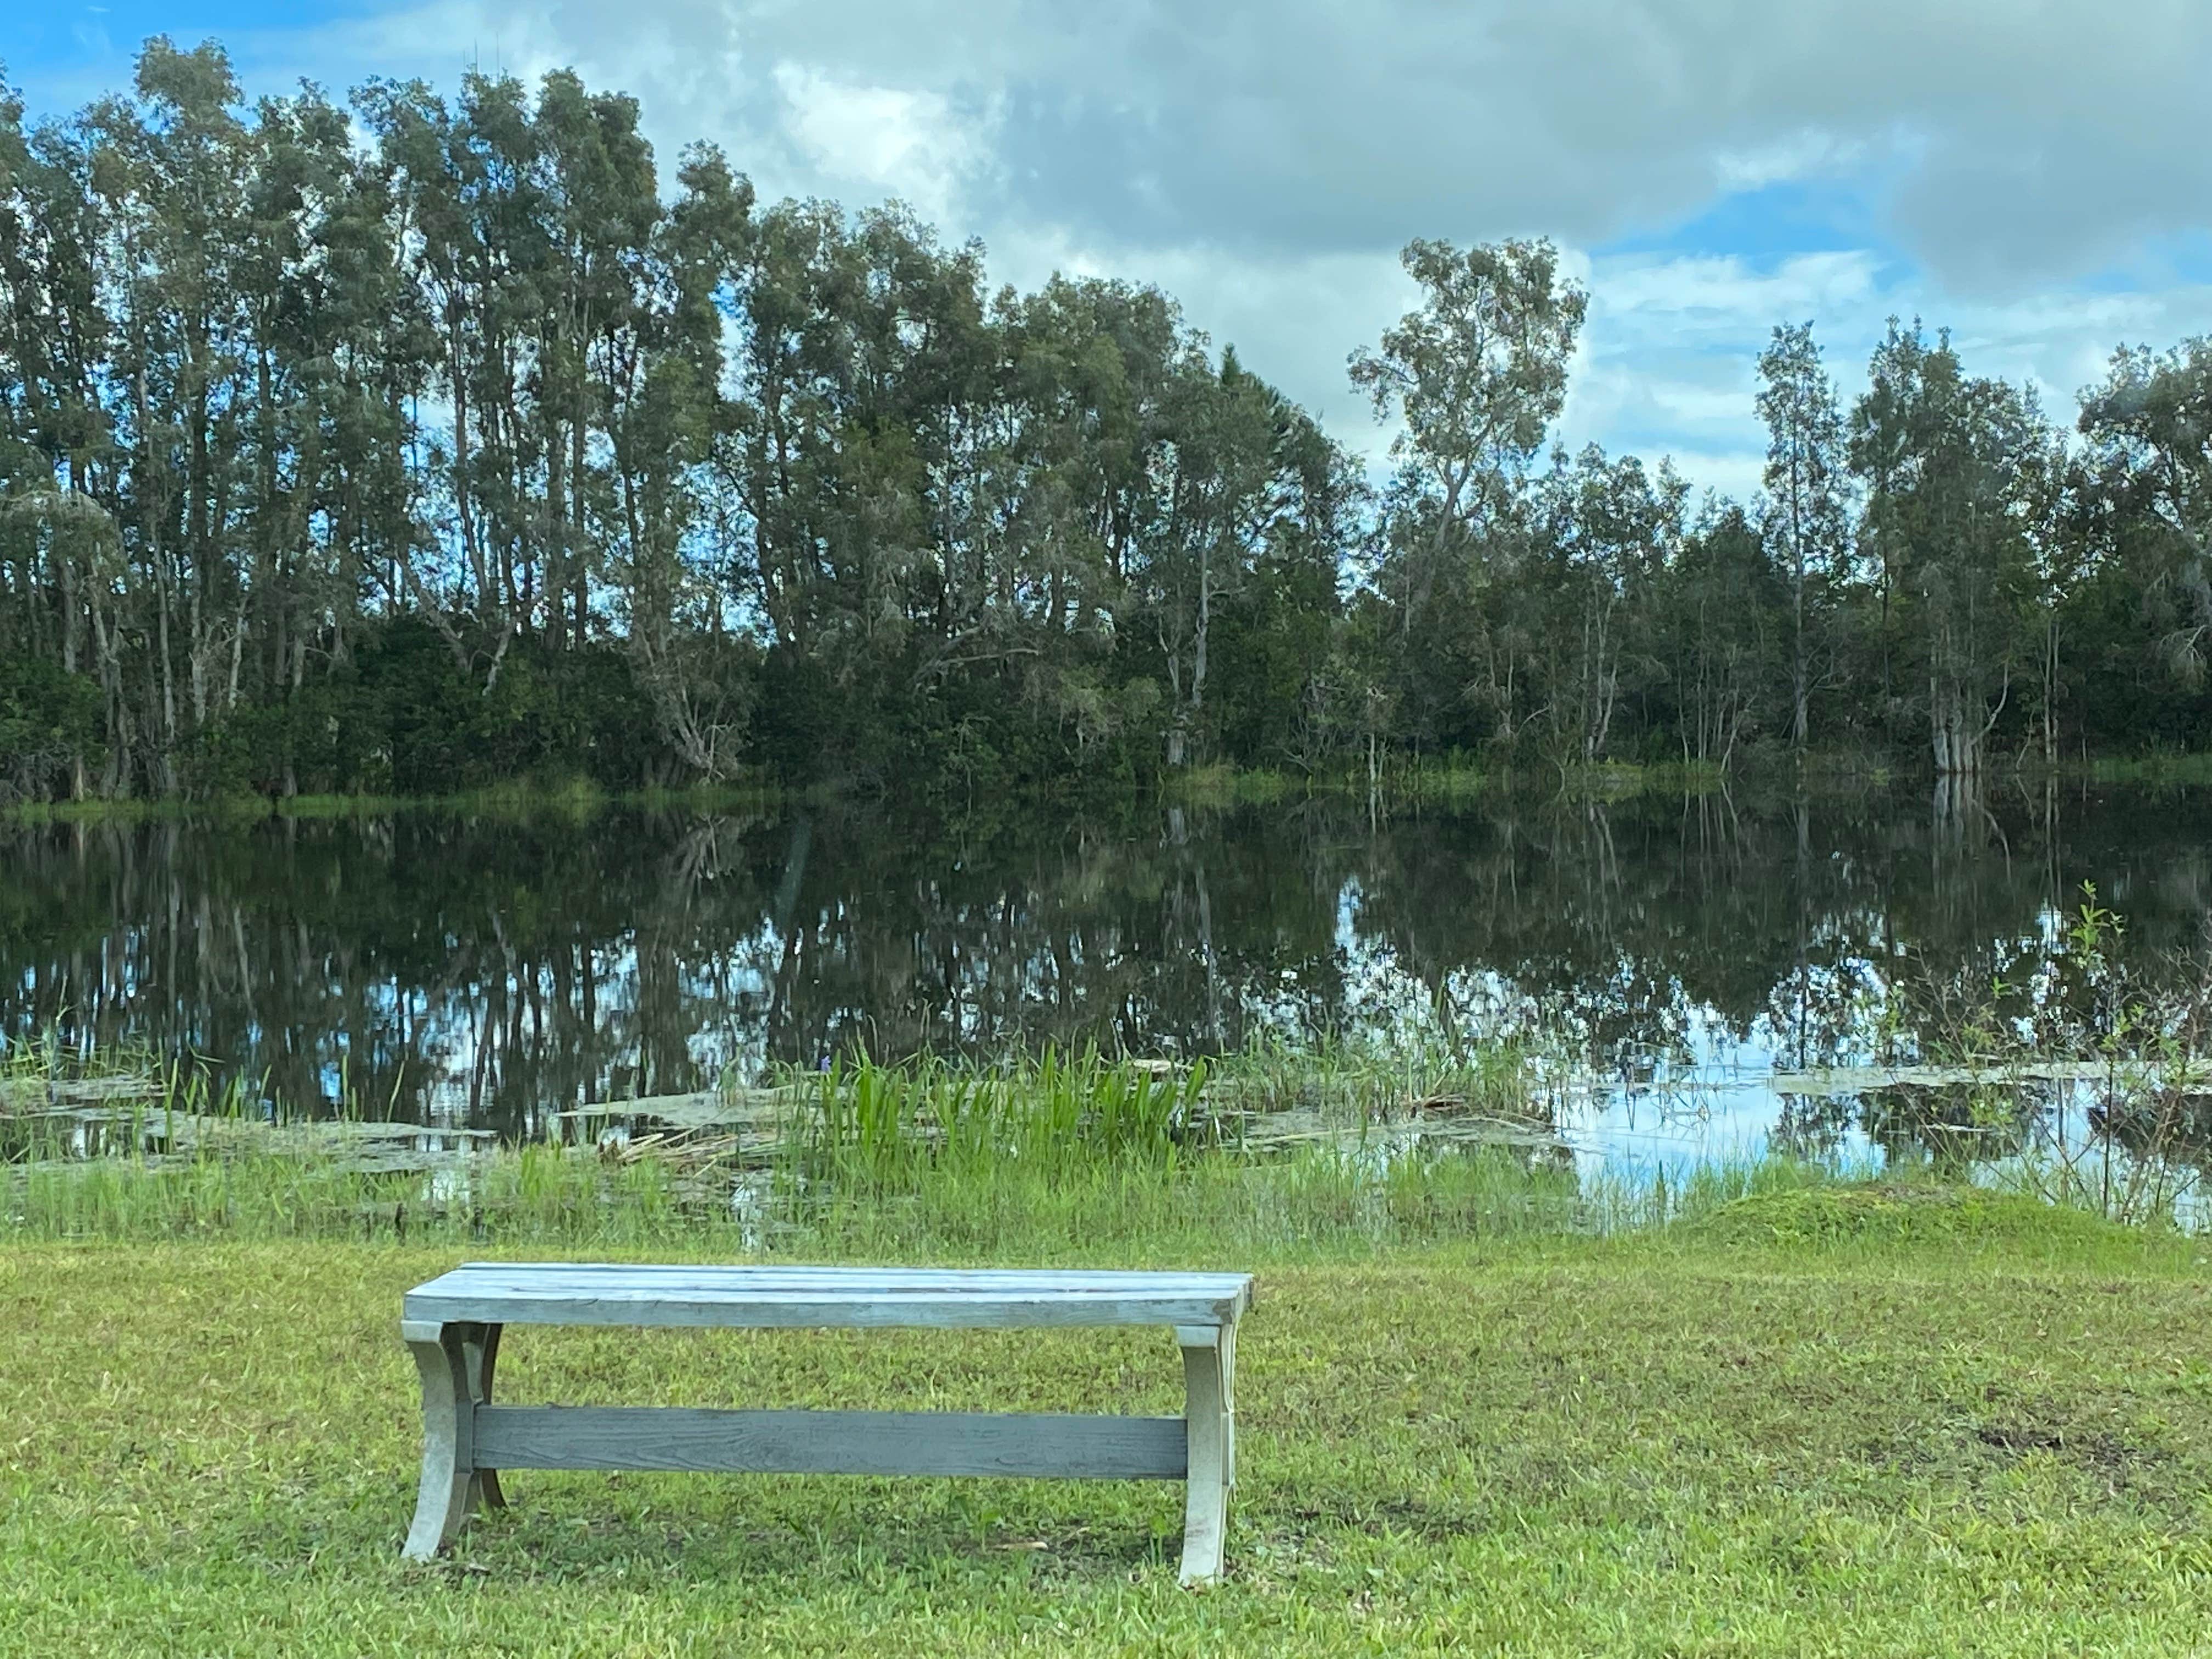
1209	1372
455	1362
480	1348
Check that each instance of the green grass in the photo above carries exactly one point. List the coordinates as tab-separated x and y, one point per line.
1486	1405
1214	785
1768	1432
516	798
2154	769
1455	780
1315	1200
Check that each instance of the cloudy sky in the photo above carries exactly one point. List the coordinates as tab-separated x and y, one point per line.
2033	173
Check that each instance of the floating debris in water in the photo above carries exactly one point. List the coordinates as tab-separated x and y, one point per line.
1869	1080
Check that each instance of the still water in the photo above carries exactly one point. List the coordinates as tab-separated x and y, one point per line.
1668	957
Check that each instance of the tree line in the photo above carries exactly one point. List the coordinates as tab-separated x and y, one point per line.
413	443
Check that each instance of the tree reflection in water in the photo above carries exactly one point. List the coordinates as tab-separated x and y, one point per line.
494	970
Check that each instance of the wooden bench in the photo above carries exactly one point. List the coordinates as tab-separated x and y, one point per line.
453	1326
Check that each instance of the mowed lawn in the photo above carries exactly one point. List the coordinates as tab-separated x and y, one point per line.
1680	1443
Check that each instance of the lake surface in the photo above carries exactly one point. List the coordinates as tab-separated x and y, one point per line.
1670	955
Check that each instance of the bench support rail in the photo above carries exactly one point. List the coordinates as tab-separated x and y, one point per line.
1025	1443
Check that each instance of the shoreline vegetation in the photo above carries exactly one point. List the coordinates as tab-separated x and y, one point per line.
1205	786
1268	1149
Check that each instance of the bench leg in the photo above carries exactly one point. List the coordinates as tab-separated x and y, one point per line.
1209	1373
448	1419
480	1347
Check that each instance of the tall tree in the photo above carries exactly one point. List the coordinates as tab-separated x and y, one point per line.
1943	456
1473	379
1807	518
1610	533
424	441
2150	427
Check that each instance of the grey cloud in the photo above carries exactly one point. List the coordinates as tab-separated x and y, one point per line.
1263	161
2048	134
2032	138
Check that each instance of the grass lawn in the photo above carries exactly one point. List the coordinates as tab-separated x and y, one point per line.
1788	1429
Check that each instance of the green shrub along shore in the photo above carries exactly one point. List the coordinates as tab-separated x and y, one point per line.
1441	783
1486	1405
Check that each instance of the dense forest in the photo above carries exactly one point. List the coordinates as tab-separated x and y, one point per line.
413	444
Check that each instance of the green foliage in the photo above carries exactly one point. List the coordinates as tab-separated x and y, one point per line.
433	441
49	719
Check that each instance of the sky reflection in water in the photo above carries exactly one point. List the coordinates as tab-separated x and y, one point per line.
1669	954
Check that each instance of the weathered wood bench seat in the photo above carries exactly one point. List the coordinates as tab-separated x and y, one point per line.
453	1326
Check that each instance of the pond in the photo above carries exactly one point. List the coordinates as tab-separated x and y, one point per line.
1669	960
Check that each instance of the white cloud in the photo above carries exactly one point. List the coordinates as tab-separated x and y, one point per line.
1670	359
1786	159
914	145
1263	159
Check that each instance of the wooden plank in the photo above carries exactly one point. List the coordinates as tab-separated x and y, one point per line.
442	1500
830	1442
951	1310
622	1294
30	1094
563	1281
780	1275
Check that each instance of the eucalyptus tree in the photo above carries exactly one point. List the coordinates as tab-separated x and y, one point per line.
1943	456
1092	371
1218	505
58	538
465	183
666	412
1609	531
2059	507
1807	517
439	436
1724	619
1472	379
369	339
2149	430
1476	375
169	171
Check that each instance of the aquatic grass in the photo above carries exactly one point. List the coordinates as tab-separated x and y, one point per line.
1349	1149
1457	780
885	1124
577	799
1222	785
2173	768
891	1197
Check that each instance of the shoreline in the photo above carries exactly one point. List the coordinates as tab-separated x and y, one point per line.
1200	787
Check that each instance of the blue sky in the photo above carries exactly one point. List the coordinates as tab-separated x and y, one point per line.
2030	173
